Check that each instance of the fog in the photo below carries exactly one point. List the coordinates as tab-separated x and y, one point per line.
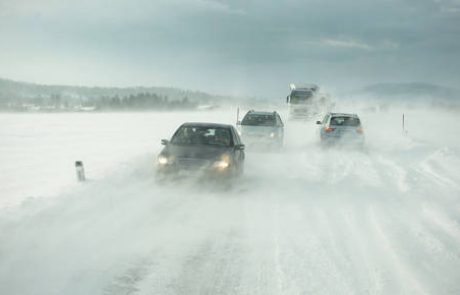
304	220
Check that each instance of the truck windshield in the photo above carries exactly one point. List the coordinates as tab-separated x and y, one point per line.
300	96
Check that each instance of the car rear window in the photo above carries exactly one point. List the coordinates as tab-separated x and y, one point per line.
193	135
259	120
345	121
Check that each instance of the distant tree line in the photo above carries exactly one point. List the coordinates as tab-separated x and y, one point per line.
141	101
138	101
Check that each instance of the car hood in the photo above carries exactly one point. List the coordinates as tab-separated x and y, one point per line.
195	151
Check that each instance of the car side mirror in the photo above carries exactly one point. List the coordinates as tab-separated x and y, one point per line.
164	142
239	147
318	122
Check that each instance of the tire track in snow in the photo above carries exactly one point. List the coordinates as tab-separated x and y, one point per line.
216	267
442	221
394	174
368	270
212	256
430	174
173	214
128	282
425	250
344	245
307	265
409	282
279	270
438	262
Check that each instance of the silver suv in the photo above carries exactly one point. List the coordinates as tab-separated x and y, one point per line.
341	129
262	129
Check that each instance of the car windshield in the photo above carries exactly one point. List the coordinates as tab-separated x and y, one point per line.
259	120
345	121
198	135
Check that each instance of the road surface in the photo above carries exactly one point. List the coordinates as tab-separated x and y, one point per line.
385	220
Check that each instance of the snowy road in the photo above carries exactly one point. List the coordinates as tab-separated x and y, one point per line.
304	221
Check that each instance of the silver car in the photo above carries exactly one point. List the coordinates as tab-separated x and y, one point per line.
262	129
341	129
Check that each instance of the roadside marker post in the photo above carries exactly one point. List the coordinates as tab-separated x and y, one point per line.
80	171
404	124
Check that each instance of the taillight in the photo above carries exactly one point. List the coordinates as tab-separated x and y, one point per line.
360	130
328	129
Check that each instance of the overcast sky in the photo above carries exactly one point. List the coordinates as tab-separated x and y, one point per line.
239	47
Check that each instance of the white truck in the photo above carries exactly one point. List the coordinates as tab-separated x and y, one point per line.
306	101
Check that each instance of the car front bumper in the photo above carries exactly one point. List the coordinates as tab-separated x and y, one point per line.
186	170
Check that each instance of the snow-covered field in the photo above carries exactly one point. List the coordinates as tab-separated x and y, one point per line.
385	220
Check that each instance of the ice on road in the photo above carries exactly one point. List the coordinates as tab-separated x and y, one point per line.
385	220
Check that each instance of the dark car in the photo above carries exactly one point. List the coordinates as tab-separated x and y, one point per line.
262	129
213	149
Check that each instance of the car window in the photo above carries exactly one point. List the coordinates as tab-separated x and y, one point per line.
259	120
198	135
344	121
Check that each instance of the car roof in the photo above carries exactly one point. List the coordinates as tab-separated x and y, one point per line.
205	124
343	115
261	113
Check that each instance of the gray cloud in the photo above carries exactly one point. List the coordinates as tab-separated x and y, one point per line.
240	47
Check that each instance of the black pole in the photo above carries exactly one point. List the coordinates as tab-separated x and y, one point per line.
80	171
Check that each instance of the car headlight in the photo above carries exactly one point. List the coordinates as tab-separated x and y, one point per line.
222	163
163	160
272	135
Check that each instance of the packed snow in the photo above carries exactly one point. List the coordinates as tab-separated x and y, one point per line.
304	220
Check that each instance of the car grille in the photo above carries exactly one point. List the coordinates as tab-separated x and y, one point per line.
192	163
